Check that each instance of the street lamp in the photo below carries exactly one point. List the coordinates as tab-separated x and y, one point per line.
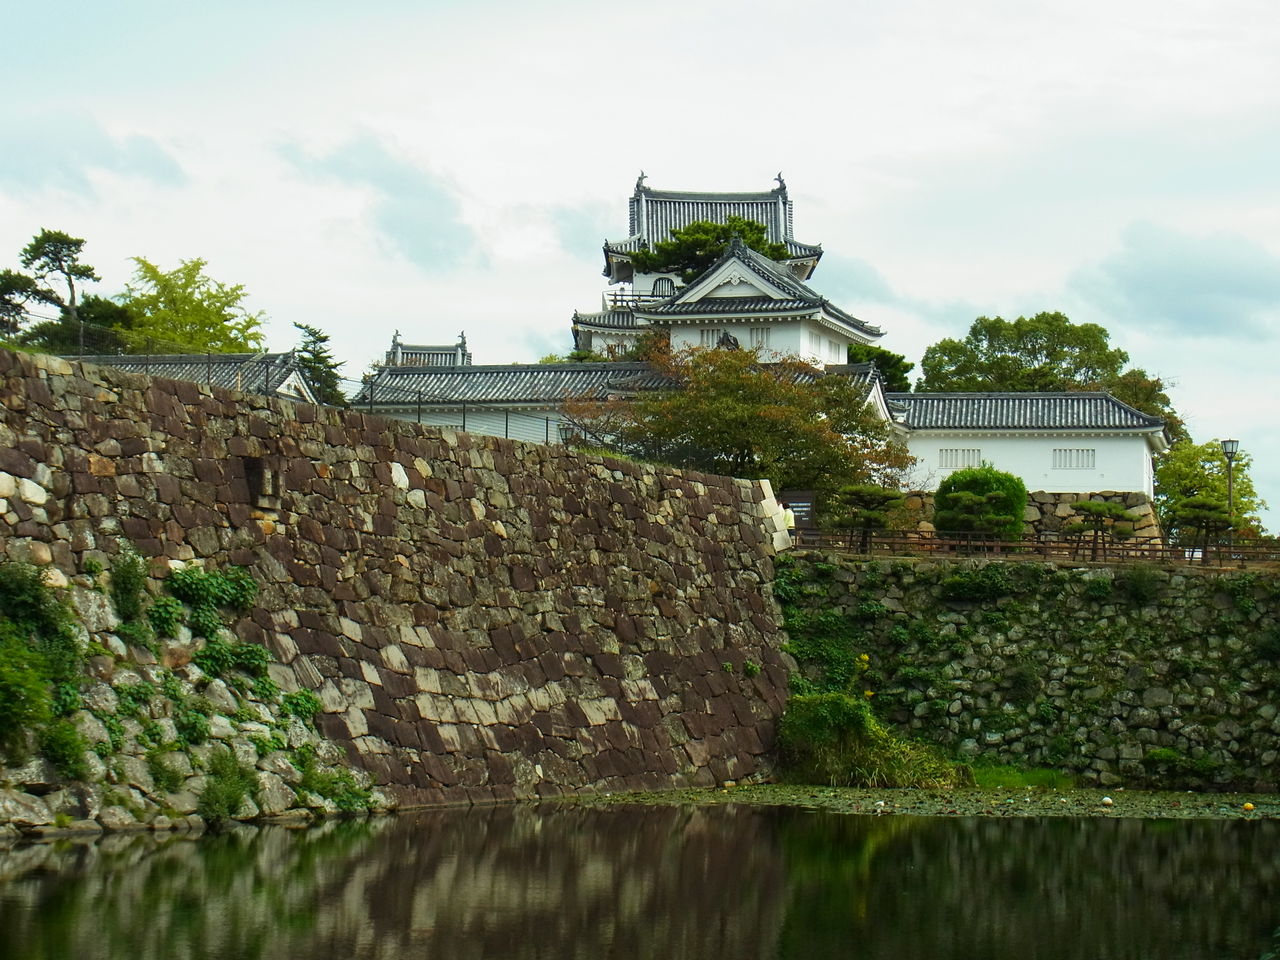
1229	450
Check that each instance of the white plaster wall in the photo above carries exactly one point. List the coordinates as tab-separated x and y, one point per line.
786	338
535	427
1122	463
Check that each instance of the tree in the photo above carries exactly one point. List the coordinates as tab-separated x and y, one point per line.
981	500
16	291
188	312
726	412
1188	470
697	246
859	506
893	367
1100	519
576	356
1199	519
52	257
103	327
55	256
1046	352
318	367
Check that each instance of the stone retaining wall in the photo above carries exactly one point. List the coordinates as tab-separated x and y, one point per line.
482	618
1129	674
1047	513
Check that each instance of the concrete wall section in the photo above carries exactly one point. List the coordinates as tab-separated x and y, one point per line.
482	618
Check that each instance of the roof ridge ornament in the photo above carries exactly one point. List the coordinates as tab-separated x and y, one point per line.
782	184
640	182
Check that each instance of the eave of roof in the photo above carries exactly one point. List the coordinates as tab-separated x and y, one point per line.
515	383
1089	410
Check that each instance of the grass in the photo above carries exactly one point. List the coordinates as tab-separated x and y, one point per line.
1016	778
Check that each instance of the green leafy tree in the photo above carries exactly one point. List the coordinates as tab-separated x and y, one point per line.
981	500
697	246
104	327
576	356
1199	470
318	367
1046	352
186	311
894	368
726	412
859	507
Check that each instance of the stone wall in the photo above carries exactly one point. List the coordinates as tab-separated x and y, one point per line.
1047	513
482	618
1129	674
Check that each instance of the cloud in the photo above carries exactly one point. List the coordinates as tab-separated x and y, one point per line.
1197	286
414	212
63	152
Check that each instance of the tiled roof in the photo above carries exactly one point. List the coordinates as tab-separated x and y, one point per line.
607	319
252	372
772	273
654	214
1019	411
544	383
514	383
754	305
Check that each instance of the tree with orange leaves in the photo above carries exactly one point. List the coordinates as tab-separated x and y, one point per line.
727	412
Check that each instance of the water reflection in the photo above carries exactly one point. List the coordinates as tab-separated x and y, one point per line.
527	882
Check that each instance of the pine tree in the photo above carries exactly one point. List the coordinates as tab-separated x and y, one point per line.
318	366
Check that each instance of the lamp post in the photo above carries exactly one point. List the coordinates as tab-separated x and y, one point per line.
1229	450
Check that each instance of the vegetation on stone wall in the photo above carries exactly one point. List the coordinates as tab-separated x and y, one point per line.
39	667
1129	674
830	733
204	730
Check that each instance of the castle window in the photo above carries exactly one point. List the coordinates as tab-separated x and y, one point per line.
760	337
958	458
1069	459
664	287
709	337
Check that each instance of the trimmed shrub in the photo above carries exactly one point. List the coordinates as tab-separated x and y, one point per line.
981	500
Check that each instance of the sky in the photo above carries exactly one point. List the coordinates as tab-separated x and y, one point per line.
438	166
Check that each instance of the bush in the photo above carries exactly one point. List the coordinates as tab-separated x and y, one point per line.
42	616
337	786
128	583
166	776
835	739
219	658
166	615
981	500
228	785
302	704
25	699
62	745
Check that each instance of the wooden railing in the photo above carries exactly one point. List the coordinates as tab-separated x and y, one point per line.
1218	552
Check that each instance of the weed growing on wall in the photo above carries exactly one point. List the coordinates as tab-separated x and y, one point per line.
836	739
829	733
337	786
228	785
39	667
206	592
